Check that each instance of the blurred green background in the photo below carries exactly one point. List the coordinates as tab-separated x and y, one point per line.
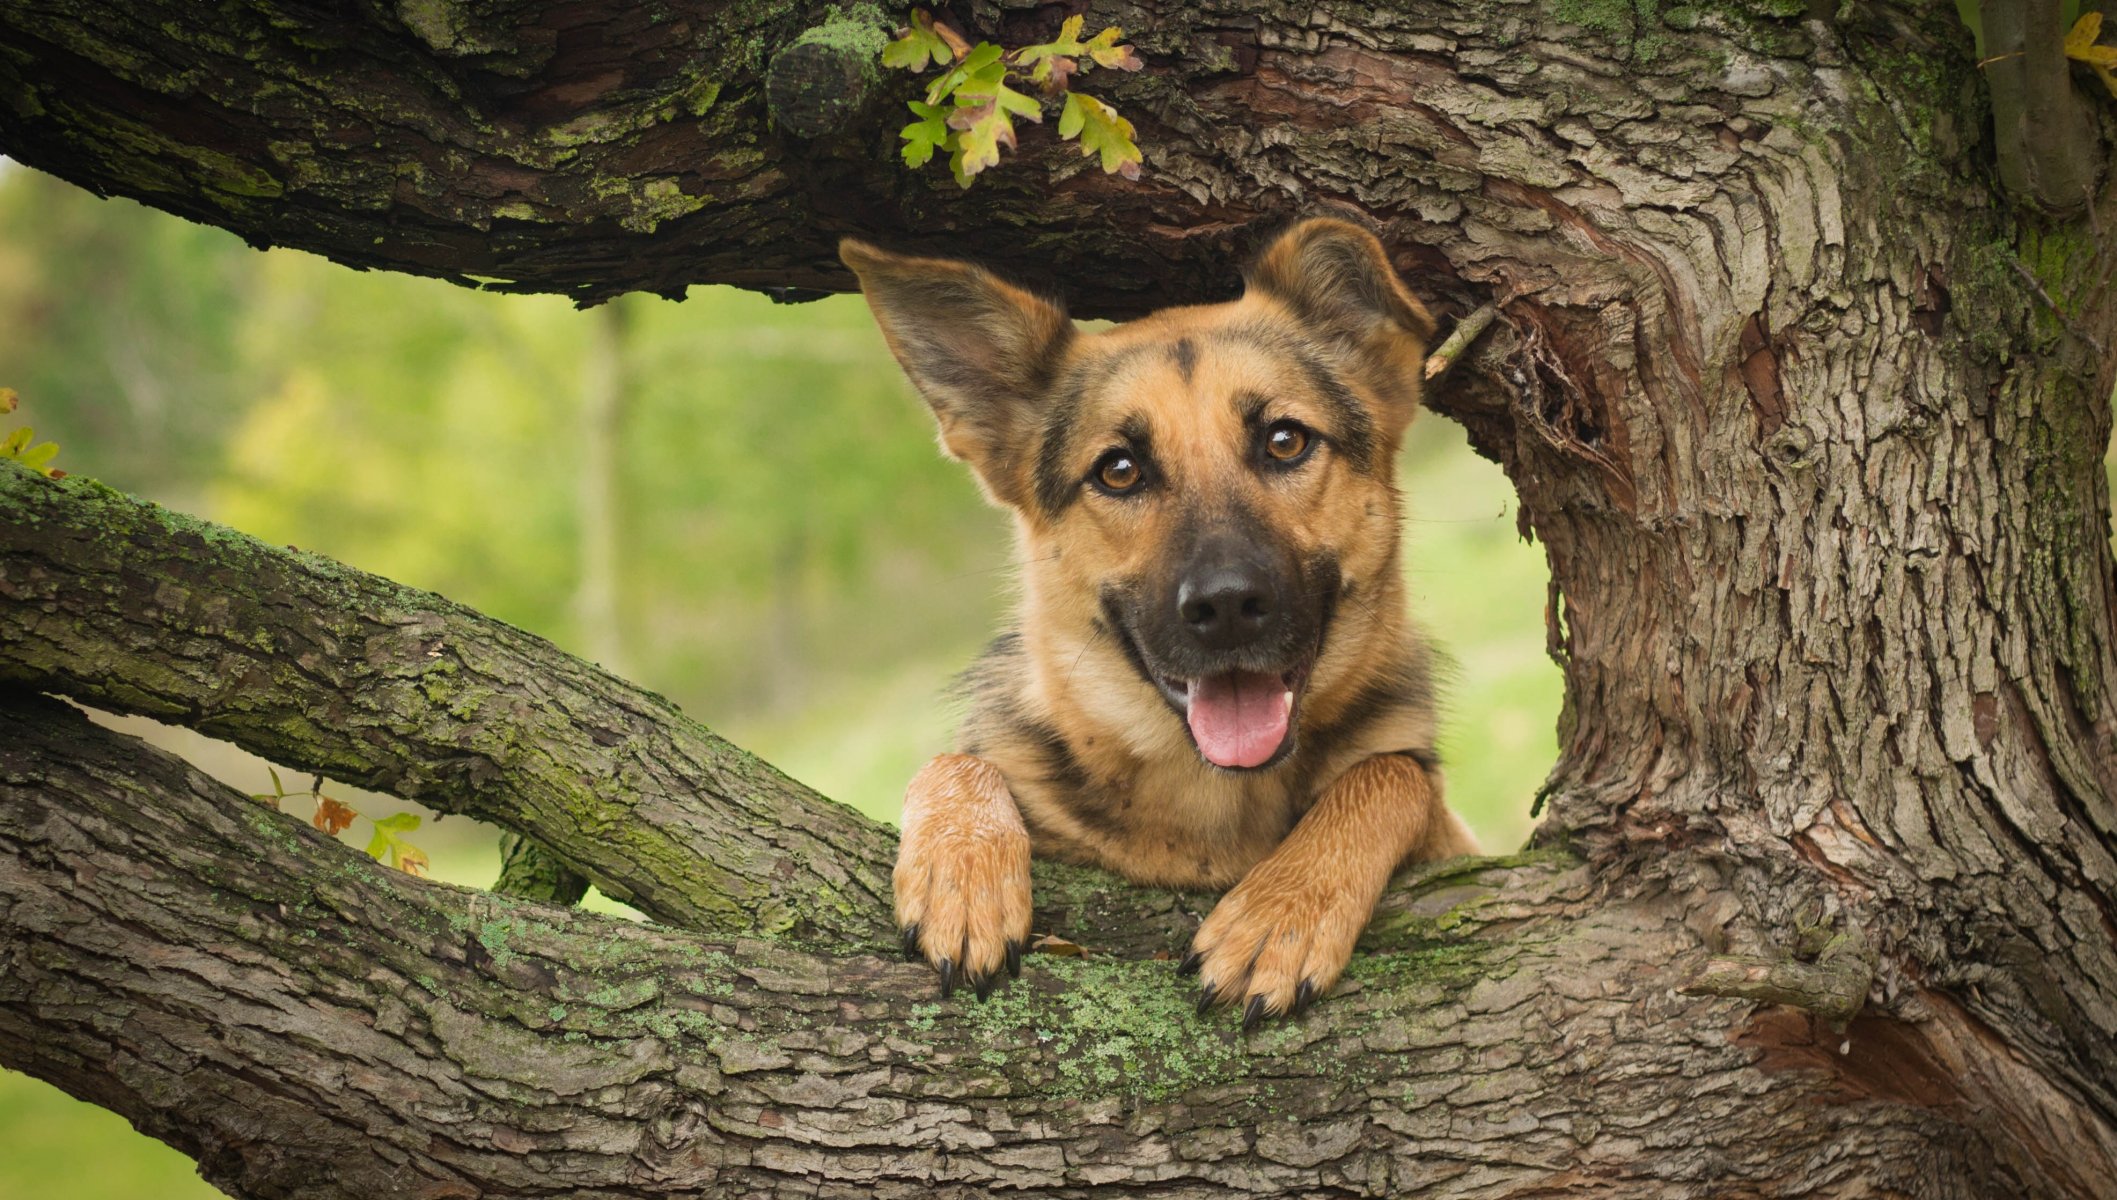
738	504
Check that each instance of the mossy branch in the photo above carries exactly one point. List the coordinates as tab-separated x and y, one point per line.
124	605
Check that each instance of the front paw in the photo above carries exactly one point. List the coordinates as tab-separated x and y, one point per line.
962	876
1275	943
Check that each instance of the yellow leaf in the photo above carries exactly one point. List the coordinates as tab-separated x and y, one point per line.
9	398
2108	80
2083	34
410	859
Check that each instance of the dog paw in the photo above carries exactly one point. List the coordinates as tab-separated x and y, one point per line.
1275	943
962	875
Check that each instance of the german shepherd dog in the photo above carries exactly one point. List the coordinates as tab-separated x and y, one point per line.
1211	681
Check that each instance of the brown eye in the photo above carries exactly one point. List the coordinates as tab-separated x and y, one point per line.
1118	473
1286	441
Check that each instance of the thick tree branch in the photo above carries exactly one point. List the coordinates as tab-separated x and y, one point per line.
307	1022
121	604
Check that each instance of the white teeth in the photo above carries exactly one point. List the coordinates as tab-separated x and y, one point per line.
1288	700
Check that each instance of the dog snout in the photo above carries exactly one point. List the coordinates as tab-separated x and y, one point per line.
1227	605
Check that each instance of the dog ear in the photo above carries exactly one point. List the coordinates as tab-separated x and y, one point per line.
981	352
1334	277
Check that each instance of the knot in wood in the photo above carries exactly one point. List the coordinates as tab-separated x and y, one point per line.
1789	446
823	80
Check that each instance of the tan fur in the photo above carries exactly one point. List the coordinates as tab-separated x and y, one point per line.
1296	915
962	876
1064	728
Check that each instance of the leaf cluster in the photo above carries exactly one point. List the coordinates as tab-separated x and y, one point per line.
21	445
970	108
334	817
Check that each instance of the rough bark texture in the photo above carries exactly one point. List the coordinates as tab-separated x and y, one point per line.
1806	412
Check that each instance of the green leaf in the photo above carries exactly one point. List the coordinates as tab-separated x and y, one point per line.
16	442
981	131
36	456
981	58
1101	131
925	135
918	45
984	116
403	822
278	788
378	845
1042	56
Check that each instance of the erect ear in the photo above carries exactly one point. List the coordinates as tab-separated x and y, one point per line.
979	350
1336	279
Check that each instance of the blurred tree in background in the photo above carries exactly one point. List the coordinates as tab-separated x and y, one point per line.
738	504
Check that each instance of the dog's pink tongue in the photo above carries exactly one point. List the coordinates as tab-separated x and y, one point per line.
1239	719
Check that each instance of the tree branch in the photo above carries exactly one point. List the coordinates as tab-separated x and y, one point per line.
530	872
124	605
2050	151
306	1021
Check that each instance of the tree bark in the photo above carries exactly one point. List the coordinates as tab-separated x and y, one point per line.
1806	412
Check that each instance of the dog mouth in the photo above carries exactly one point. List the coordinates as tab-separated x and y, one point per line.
1239	720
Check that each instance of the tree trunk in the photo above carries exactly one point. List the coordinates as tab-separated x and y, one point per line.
1807	413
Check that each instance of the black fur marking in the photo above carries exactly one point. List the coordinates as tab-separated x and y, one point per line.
1113	601
1060	766
1055	485
1185	355
1101	810
1135	434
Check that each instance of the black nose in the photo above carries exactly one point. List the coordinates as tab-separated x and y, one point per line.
1225	607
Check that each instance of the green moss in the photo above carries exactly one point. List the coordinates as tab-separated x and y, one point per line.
699	98
859	28
1117	1027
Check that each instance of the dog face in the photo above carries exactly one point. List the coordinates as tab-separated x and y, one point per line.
1202	494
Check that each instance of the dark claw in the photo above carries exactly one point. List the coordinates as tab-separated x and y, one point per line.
911	943
1205	999
1014	959
1304	993
947	967
1189	965
1253	1015
984	984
